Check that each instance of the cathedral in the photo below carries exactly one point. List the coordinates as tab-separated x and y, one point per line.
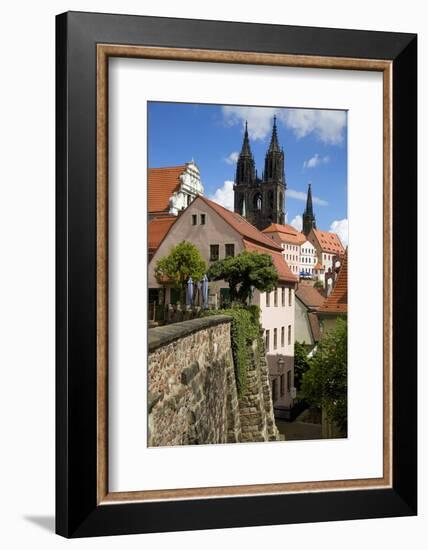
261	200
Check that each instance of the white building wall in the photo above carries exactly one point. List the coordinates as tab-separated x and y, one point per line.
291	253
327	261
308	257
279	317
190	187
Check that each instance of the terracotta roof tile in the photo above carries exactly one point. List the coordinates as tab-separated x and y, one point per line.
310	296
315	326
337	302
284	272
162	183
157	229
286	233
329	242
280	228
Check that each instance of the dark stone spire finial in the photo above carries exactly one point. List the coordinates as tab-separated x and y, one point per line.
308	215
274	145
246	149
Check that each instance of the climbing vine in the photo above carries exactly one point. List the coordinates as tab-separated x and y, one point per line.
245	328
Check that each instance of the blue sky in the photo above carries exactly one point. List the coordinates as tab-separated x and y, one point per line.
314	142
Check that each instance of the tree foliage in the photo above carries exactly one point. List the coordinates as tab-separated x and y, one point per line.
182	262
324	384
246	270
301	363
245	328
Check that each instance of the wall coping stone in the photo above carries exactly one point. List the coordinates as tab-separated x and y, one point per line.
160	336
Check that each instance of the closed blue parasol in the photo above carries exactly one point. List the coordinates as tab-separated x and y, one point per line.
205	292
189	293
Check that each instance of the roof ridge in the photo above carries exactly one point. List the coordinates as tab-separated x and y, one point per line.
167	167
268	242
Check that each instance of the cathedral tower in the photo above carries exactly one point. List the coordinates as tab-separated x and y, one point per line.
308	215
261	201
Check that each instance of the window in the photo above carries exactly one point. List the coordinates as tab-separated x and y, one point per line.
290	297
267	299
289	380
275	297
202	219
224	297
275	338
282	385
283	296
214	252
267	340
282	337
230	250
274	390
189	199
194	219
289	334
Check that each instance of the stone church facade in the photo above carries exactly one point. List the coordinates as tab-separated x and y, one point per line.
261	200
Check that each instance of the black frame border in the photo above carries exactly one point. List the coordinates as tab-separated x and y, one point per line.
77	513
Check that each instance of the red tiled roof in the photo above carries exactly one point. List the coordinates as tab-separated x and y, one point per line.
284	272
157	229
241	225
286	233
337	302
329	242
280	228
315	326
310	296
318	266
162	183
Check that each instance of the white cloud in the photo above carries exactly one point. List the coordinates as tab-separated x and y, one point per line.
297	222
328	126
259	119
301	196
316	160
341	228
224	195
232	158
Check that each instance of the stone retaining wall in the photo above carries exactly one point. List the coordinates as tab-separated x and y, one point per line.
192	396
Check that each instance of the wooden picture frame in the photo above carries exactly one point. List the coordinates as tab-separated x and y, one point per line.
84	505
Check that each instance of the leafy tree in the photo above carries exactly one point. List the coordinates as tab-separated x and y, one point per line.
301	363
246	270
184	261
324	384
319	284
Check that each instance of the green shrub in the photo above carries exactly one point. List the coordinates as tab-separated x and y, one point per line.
324	383
245	328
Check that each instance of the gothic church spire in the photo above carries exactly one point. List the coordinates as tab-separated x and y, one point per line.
245	167
274	160
308	215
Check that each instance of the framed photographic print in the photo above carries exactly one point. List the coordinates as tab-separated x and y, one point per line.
236	313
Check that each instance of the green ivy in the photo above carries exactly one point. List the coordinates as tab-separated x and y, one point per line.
245	328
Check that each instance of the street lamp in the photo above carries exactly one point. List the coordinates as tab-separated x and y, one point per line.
280	365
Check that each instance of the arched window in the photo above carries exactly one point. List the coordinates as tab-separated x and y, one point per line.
271	199
257	201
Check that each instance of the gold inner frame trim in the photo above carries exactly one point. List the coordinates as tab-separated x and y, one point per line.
104	51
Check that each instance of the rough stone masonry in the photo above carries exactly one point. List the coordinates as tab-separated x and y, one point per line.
192	394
